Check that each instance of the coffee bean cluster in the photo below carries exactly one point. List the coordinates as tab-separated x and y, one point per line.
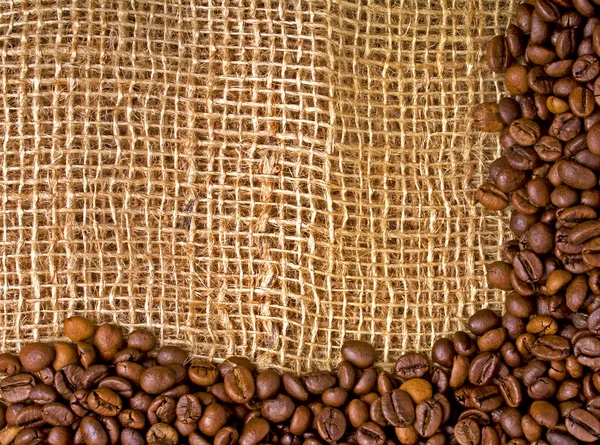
513	380
549	174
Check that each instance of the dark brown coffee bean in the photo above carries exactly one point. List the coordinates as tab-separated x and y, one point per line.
335	397
130	371
279	409
268	383
108	340
516	82
523	17
30	436
228	436
522	203
398	408
9	364
483	368
593	139
318	381
591	252
411	365
57	414
509	109
510	420
541	389
586	68
467	432
366	382
157	379
17	388
92	432
572	216
213	419
584	232
526	132
239	385
105	402
36	356
498	55
547	10
142	340
78	328
358	412
577	176
463	344
86	354
60	435
128	355
162	409
132	418
370	434
293	386
540	83
491	197
331	424
515	41
539	190
203	373
442	351
528	267
559	68
583	426
165	434
346	375
566	44
548	148
42	394
565	127
359	353
129	436
428	417
581	102
487	117
483	321
171	355
551	347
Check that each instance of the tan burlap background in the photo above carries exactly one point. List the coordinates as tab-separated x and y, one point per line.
246	177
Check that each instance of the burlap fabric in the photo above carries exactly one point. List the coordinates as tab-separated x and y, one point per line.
246	177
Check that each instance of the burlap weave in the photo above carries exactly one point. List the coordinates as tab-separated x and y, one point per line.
246	177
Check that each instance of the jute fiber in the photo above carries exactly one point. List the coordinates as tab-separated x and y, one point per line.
247	177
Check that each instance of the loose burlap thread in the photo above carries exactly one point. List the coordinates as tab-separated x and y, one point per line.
262	178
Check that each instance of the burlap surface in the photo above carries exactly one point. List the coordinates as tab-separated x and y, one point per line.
246	177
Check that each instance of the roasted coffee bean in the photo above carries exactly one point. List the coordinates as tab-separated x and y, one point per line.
42	394
346	375
516	82
443	351
565	127
132	418
528	267
319	381
483	368
591	252
108	340
398	408
418	389
581	102
491	197
428	417
366	382
239	384
526	132
483	321
279	409
411	365
141	339
17	388
572	216
331	424
64	354
359	353
203	373
213	419
370	434
57	414
78	328
131	371
36	356
162	409
105	402
293	386
60	435
86	353
498	55
540	83
157	379
128	355
583	425
167	435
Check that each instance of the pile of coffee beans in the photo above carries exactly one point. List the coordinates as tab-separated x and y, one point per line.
549	174
517	379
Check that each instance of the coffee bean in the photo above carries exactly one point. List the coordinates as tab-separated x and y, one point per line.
164	434
487	117
239	384
591	252
142	340
366	382
516	82
428	417
483	321
359	353
498	55
483	368
411	365
105	402
36	356
565	127
491	197
57	414
370	434
331	424
583	425
293	386
528	267
108	340
157	379
319	381
358	413
526	132
540	83
398	408
577	176
279	409
17	388
581	102
86	353
586	68
418	389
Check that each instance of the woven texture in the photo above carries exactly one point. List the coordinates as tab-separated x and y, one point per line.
247	177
